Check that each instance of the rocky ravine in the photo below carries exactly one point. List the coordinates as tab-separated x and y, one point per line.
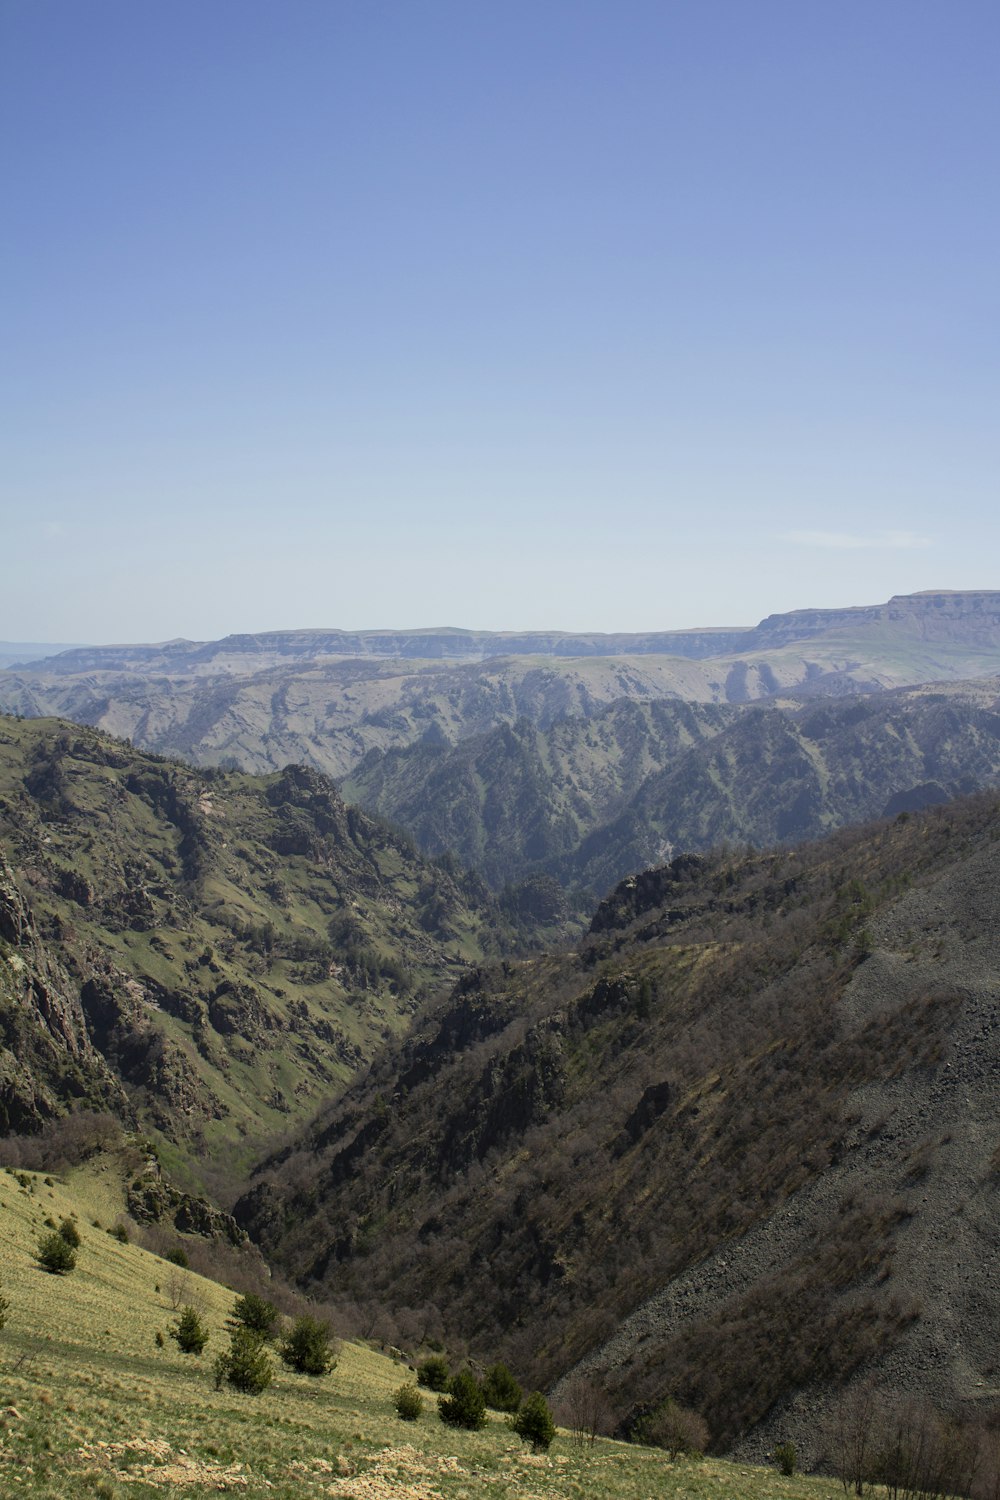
930	1138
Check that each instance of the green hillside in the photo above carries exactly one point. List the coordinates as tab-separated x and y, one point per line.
208	953
95	1405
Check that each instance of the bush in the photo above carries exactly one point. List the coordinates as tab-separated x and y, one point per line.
307	1347
677	1429
177	1257
464	1405
534	1422
55	1255
433	1373
247	1366
500	1389
256	1314
408	1402
190	1332
70	1233
786	1457
119	1233
4	1309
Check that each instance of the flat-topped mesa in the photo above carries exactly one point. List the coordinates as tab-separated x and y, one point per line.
974	615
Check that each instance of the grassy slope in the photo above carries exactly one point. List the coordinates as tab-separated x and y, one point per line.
300	1015
93	1406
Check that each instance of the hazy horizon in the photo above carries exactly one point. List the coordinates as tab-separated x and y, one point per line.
543	316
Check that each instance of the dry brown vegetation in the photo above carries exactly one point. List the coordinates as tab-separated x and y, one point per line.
570	1134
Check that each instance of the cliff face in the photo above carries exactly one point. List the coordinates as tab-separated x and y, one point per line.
940	614
46	1052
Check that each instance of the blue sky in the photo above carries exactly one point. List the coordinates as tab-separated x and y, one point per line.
515	314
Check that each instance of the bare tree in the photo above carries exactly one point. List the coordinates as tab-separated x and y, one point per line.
585	1409
852	1436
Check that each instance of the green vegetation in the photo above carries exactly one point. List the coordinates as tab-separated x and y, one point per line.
500	1389
189	1332
408	1403
464	1405
308	1346
70	1233
534	1423
255	1314
56	1254
246	1366
786	1457
433	1372
226	949
95	1407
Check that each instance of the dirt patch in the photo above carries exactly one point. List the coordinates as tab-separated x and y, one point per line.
156	1462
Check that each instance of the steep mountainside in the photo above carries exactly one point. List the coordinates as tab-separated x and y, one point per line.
741	1146
590	800
325	698
210	953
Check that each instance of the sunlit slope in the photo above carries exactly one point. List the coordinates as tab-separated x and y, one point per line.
226	950
94	1405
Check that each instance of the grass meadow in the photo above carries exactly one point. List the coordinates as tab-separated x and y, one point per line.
91	1404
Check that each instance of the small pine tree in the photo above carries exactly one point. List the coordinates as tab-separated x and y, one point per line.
433	1373
247	1366
408	1402
501	1390
534	1422
786	1457
190	1332
307	1347
254	1313
70	1233
464	1405
55	1255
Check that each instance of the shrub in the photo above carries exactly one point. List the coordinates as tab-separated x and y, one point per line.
190	1332
534	1422
119	1233
307	1347
256	1314
464	1405
786	1457
677	1429
177	1257
433	1373
4	1309
55	1255
408	1402
70	1233
247	1367
500	1389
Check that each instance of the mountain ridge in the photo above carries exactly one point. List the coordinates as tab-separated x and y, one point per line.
257	708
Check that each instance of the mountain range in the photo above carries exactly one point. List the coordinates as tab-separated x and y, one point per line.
727	1134
325	698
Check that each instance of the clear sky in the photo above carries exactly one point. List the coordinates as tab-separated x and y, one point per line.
499	313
